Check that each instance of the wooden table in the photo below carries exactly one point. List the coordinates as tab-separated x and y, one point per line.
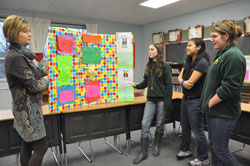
79	124
10	141
98	121
241	131
103	120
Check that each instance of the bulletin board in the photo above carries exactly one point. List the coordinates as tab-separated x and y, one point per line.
83	69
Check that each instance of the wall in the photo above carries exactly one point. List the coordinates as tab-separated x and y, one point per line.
143	34
235	10
104	27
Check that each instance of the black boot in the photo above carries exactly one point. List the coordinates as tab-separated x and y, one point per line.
144	151
156	151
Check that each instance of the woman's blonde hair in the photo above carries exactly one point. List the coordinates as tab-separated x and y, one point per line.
12	26
227	27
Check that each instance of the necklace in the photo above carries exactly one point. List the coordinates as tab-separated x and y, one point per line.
152	78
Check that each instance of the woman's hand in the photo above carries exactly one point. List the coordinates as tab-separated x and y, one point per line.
134	85
46	78
210	104
187	85
214	100
46	66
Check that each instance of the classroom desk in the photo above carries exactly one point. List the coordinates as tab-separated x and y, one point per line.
241	131
79	124
176	103
99	121
135	115
96	121
10	141
103	120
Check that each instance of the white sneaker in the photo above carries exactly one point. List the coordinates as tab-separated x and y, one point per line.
182	155
197	162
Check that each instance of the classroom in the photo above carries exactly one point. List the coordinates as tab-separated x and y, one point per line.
99	55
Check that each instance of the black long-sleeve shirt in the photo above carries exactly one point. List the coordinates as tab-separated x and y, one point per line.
159	88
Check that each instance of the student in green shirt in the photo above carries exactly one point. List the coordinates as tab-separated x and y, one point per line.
158	79
221	94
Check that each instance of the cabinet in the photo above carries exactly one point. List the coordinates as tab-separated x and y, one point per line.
176	69
45	96
245	92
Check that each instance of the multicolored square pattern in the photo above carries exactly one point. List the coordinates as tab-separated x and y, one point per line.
106	73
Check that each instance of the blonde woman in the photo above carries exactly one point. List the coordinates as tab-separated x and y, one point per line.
26	83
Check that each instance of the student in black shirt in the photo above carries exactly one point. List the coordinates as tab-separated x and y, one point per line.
191	78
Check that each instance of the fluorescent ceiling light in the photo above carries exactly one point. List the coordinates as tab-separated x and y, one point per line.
157	3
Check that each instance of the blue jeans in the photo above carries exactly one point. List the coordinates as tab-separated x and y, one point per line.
192	120
219	132
149	112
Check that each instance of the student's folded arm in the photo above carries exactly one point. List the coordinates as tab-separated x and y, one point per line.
199	69
180	76
196	75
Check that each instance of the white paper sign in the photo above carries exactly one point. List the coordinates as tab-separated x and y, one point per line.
124	42
125	76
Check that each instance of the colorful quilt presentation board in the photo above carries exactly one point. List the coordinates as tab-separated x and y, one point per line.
83	69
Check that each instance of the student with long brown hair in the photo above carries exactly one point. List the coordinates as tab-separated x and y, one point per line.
158	79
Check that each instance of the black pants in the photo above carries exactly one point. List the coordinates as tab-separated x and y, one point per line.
39	148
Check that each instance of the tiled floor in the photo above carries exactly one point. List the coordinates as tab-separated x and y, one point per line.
105	156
